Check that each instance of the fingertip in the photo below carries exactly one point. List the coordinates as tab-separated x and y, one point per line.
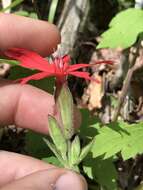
24	32
71	181
51	42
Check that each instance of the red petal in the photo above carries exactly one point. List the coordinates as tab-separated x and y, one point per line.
66	58
82	65
84	75
29	59
110	62
36	76
77	66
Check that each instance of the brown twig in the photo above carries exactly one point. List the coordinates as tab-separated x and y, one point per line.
126	83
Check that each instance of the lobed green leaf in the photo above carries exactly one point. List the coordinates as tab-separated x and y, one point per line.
119	137
98	170
123	30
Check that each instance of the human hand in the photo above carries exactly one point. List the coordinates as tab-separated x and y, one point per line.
19	105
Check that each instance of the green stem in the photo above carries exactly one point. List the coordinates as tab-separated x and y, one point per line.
52	10
12	5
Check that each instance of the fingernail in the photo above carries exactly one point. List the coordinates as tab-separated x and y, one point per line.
70	181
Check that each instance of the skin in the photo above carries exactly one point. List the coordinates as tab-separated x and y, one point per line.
19	104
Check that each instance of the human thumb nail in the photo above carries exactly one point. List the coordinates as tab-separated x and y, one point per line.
70	181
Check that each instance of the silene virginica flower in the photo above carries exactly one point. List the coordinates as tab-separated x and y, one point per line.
59	67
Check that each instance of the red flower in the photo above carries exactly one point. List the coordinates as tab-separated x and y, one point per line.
59	67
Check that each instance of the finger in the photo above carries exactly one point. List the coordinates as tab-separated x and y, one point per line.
27	107
54	179
24	32
15	166
33	174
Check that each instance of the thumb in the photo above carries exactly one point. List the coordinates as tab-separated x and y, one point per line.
52	179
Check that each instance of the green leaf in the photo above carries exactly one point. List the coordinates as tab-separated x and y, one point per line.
140	187
35	146
33	15
123	30
55	151
74	151
57	136
12	5
65	104
18	72
11	62
22	13
88	120
119	137
85	151
101	171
